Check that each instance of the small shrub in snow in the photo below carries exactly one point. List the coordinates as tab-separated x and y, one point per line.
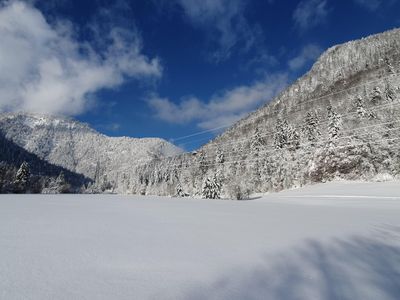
382	177
236	191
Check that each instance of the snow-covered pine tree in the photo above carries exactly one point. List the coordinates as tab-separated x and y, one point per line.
293	138
125	182
22	177
220	157
256	174
389	66
390	94
334	124
376	95
97	173
106	185
281	134
311	127
166	176
179	190
286	136
175	173
212	188
202	162
361	111
62	185
256	142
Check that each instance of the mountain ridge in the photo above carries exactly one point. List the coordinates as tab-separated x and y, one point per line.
81	149
43	175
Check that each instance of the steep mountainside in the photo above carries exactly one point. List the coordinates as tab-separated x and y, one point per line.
43	174
340	120
110	161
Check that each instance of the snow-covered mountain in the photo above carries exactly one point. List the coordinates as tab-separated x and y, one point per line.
340	120
110	161
41	176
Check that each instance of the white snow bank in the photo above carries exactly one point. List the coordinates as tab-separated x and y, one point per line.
329	241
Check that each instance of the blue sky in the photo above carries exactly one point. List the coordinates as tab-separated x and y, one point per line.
168	68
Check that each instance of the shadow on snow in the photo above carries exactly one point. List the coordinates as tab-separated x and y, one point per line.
356	268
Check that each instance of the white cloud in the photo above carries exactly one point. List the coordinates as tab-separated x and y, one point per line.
223	108
309	53
43	68
224	22
310	13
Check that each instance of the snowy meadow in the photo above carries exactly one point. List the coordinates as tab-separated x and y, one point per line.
329	241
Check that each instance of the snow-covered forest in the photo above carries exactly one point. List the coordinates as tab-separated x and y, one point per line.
24	172
340	120
104	164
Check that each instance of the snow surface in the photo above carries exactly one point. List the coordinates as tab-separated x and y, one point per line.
330	241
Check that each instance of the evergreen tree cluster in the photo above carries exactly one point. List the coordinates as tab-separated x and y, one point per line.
286	135
212	188
311	128
334	125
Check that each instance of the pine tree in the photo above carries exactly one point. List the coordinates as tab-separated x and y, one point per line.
376	95
106	185
202	162
220	157
211	188
179	190
286	136
311	127
389	66
361	111
62	185
294	138
389	92
22	177
256	142
281	134
334	124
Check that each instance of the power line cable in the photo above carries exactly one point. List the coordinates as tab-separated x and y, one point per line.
269	133
277	111
202	164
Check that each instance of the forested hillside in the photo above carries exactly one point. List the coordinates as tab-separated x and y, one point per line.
108	161
340	120
24	172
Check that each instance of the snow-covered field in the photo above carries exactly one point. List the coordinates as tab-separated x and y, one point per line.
329	241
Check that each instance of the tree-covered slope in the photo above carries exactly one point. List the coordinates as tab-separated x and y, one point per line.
340	120
41	176
109	161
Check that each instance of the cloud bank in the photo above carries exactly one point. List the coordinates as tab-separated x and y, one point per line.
45	68
222	108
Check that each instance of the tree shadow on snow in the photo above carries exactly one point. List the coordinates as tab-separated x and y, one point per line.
356	268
